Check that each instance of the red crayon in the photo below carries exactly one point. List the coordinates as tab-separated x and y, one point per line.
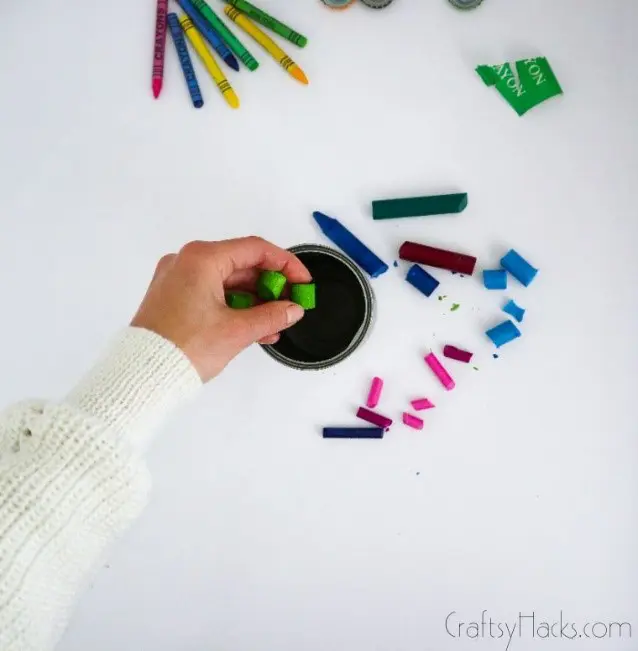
431	257
160	47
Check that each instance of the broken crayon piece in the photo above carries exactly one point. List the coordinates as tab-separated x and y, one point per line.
373	417
240	300
514	310
442	204
353	432
518	267
412	421
458	354
503	333
270	284
304	295
422	403
422	280
495	278
433	257
439	370
374	394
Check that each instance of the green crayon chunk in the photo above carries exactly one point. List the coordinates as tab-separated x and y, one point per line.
227	36
268	21
441	204
240	300
270	284
304	295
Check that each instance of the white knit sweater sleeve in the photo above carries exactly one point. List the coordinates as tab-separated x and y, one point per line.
72	478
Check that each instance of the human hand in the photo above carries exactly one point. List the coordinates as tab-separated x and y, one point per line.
185	302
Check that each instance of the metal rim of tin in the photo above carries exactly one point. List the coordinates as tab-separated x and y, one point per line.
377	4
358	339
465	4
338	4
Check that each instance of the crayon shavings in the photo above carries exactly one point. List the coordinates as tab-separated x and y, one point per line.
455	307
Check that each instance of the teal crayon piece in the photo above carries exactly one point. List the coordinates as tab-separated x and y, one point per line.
441	204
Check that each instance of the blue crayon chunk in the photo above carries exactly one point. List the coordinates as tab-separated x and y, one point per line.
518	267
353	432
422	280
185	60
503	333
339	235
205	29
495	278
514	310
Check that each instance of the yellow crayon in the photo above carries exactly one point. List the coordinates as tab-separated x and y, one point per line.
267	43
209	62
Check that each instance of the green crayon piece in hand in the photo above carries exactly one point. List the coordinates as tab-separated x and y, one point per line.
270	285
240	300
304	295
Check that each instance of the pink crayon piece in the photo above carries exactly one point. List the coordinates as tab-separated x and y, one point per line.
422	403
373	417
160	47
444	377
457	353
412	421
375	392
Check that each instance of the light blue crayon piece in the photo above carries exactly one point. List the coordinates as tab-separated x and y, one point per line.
185	60
205	29
495	278
518	267
514	310
503	333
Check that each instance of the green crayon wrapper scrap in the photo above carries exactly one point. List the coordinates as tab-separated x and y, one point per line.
270	285
240	300
304	295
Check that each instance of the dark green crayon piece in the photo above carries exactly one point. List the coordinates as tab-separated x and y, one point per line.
270	284
227	36
268	21
441	204
304	295
240	300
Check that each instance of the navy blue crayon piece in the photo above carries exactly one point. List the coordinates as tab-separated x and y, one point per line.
205	29
338	234
422	280
185	60
503	333
353	432
518	267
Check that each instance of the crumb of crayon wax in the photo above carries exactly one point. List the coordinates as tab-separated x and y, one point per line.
475	368
455	307
495	355
395	263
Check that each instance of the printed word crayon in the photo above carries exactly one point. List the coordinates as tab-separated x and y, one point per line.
339	235
160	47
268	44
185	60
208	33
209	62
227	36
432	257
268	21
353	432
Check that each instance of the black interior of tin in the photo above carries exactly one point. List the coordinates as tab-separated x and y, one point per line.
329	329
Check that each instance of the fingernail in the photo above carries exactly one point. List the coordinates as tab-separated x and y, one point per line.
294	313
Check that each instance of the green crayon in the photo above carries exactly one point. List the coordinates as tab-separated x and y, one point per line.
226	35
240	300
268	21
270	284
304	295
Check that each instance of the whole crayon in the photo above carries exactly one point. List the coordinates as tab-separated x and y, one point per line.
230	39
267	43
185	60
157	78
353	432
353	247
204	28
268	21
209	62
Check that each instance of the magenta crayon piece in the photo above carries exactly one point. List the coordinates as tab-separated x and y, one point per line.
457	353
373	417
444	377
160	47
375	392
412	421
422	403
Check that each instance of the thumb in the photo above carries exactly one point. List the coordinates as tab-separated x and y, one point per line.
267	319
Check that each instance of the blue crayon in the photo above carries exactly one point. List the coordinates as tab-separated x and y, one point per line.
495	278
422	280
185	60
337	233
209	33
503	333
353	432
514	310
519	267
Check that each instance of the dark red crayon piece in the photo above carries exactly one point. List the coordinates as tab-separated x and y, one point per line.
457	353
432	257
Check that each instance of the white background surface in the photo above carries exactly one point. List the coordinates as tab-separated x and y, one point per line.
521	493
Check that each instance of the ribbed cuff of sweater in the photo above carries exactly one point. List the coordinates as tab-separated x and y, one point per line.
139	381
